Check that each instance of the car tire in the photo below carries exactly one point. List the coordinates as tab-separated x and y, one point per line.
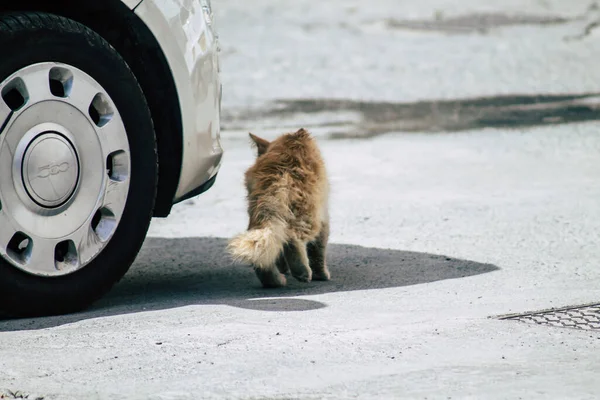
77	58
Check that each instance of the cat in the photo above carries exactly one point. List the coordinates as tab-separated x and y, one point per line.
288	196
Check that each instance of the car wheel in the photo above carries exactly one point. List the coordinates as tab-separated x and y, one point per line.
78	165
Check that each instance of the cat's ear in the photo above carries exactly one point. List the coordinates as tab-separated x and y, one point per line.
261	144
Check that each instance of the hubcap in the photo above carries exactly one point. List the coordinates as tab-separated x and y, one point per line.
50	170
64	169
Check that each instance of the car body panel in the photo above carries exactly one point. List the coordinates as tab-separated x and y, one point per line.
183	30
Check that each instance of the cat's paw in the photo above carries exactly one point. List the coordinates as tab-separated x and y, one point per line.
322	275
302	276
270	278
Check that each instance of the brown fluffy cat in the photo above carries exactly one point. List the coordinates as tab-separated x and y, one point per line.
288	195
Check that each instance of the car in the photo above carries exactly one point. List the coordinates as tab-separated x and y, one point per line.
109	115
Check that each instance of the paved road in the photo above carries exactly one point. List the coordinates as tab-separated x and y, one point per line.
463	151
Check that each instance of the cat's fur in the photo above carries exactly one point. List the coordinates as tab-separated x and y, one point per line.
288	195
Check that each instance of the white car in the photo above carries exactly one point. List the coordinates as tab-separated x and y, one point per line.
109	115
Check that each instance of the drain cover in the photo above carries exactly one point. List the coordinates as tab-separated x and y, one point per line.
586	317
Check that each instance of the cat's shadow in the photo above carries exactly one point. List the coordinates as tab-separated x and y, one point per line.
172	273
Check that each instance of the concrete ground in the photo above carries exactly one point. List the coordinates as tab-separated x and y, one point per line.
462	146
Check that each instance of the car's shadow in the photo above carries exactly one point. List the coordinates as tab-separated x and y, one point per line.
172	273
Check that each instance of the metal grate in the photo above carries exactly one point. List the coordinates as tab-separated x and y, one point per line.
586	317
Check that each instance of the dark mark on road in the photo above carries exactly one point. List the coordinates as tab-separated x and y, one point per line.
478	22
591	12
7	394
377	118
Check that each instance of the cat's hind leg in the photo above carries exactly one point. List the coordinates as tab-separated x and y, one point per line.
297	258
282	264
317	253
270	277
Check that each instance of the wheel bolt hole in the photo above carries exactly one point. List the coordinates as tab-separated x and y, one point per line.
15	94
14	100
104	223
61	82
94	115
20	247
117	166
57	88
100	110
96	220
65	255
60	252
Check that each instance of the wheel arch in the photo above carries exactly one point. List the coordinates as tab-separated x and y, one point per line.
117	24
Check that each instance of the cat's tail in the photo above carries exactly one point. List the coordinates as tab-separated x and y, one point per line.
261	246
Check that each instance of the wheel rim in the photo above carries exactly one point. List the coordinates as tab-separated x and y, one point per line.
64	169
